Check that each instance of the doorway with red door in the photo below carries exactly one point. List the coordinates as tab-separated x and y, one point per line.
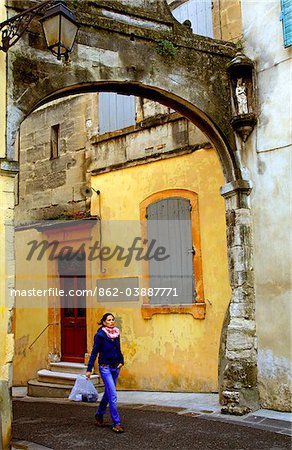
72	274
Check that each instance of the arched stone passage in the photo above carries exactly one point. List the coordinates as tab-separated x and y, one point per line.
141	46
192	79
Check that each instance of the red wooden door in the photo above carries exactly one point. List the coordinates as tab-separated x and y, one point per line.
73	313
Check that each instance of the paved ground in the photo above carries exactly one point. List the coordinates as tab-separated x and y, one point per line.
207	405
63	426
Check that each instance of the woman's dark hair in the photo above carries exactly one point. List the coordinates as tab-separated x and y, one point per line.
104	317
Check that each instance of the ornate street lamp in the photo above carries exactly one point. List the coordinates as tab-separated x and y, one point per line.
59	25
60	29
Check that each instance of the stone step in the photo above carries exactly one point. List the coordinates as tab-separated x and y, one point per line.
37	388
48	376
68	367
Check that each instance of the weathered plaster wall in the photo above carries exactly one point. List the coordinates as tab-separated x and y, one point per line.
31	313
158	140
170	341
6	305
170	351
268	157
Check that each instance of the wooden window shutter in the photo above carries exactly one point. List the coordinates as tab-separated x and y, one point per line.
199	12
169	223
115	111
286	17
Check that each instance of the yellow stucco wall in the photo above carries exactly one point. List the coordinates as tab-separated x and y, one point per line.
171	351
6	272
30	320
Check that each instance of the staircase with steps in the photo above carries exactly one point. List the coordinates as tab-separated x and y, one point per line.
58	381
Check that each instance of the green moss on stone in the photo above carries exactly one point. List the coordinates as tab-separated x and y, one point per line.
166	49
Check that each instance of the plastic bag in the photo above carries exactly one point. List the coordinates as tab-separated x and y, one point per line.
83	390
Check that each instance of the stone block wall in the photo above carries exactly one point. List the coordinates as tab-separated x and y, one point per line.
227	20
50	187
238	350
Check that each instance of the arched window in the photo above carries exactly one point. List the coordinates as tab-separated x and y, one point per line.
173	282
199	12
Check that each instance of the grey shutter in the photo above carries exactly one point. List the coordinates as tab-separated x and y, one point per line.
115	111
169	223
199	12
126	110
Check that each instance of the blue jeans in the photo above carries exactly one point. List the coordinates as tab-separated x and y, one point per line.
109	376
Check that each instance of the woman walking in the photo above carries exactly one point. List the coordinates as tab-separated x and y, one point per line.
110	360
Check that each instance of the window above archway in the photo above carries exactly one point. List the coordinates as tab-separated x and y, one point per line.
198	12
115	111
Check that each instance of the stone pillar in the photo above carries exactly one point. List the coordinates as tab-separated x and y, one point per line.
238	349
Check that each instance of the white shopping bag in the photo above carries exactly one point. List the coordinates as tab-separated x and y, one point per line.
83	390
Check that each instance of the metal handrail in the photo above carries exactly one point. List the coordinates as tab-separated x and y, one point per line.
49	324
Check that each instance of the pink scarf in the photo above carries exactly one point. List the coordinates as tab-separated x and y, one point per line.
112	333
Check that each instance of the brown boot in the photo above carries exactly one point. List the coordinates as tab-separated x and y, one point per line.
99	419
118	428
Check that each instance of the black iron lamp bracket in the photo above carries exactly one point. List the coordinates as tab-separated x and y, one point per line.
13	28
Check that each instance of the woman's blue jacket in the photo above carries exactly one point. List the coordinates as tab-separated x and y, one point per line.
109	351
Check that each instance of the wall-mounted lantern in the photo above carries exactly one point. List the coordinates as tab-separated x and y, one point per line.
241	72
59	25
60	29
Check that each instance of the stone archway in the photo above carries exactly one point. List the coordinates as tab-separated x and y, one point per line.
141	46
154	57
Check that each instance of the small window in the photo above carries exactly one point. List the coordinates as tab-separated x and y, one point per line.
115	111
170	221
169	224
286	17
199	13
55	131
